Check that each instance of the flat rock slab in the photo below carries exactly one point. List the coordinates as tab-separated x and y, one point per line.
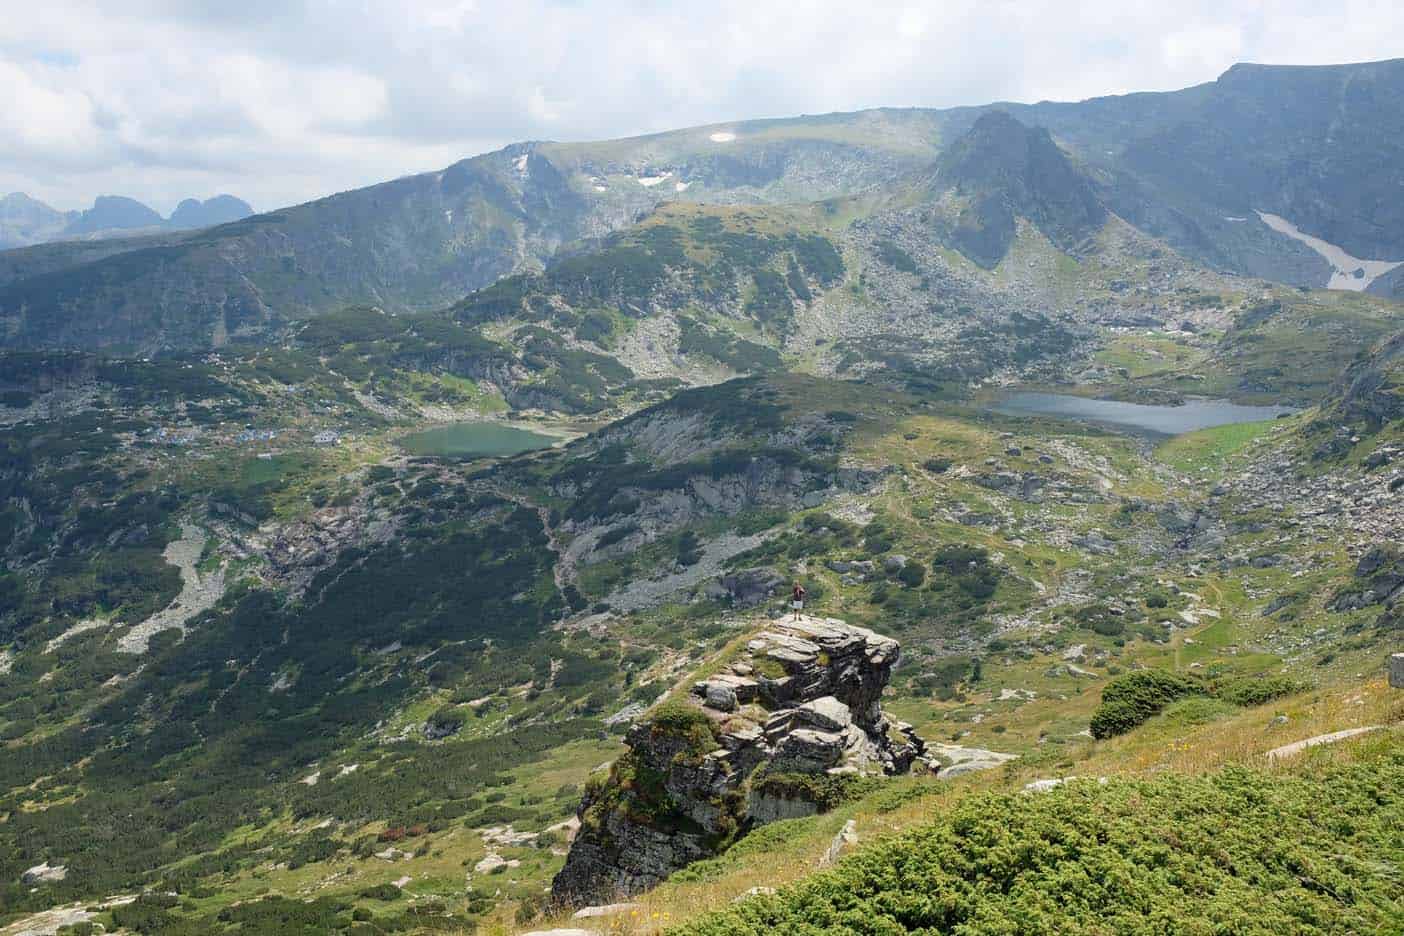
1396	670
1052	783
603	910
958	760
826	714
1296	747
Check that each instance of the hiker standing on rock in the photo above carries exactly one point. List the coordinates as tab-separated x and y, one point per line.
797	599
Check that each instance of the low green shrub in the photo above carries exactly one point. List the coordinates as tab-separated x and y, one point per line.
825	791
1132	699
1239	851
680	718
1250	691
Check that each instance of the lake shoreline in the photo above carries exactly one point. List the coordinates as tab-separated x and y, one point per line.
1153	421
483	438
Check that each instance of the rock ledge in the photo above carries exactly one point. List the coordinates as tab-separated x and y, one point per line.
781	730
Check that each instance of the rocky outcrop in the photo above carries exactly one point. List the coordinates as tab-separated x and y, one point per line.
785	729
44	874
749	587
1378	579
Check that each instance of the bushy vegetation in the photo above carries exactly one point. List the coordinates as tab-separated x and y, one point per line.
892	254
1240	851
1250	691
1133	698
825	791
686	721
737	353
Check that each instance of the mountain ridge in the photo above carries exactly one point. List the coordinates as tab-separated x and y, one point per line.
26	221
424	241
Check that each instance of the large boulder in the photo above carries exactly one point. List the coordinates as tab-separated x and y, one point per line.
1378	579
772	735
749	587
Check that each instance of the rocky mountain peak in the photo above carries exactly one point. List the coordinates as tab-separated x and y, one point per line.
773	733
1008	170
222	209
115	212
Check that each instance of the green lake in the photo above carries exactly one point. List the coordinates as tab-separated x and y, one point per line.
475	440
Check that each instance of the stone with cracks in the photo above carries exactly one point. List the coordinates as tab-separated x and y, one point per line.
801	701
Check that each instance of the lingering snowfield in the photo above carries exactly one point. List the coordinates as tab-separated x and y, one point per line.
650	181
1347	272
681	186
722	137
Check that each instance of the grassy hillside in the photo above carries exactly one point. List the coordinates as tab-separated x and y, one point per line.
1241	849
1190	811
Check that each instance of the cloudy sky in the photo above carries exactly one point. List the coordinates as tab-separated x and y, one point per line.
280	101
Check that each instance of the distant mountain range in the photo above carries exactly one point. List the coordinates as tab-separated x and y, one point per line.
25	221
1283	173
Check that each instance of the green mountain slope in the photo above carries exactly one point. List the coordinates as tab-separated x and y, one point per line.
424	241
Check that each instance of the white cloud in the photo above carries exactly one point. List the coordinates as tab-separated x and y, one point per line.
1203	48
284	100
43	117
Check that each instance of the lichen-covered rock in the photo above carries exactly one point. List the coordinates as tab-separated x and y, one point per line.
781	732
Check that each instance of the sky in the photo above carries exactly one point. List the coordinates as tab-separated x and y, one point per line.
282	101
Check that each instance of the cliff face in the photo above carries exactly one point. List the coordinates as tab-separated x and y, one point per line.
780	731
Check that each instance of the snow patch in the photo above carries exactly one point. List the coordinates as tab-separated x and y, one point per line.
722	137
1347	272
520	163
681	186
651	181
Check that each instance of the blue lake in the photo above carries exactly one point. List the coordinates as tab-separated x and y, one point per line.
1137	417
